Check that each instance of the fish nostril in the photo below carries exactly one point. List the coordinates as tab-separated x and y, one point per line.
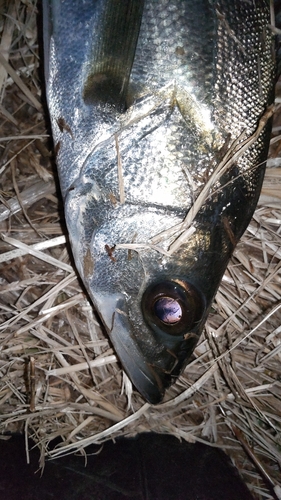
168	310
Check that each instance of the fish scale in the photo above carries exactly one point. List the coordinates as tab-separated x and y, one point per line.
163	54
147	101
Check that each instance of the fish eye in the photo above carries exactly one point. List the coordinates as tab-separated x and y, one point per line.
173	307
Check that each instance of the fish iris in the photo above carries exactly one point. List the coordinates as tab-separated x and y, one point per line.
168	310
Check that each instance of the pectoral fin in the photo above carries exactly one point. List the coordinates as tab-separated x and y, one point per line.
113	53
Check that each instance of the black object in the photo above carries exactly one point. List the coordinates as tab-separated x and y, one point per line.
148	467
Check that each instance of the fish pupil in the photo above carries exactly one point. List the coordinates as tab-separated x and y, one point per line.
168	310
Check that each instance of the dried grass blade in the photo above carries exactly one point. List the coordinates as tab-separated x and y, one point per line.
29	196
37	253
99	437
20	83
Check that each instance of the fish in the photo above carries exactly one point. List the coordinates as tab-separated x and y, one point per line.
161	118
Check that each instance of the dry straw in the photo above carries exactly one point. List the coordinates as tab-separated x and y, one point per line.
58	373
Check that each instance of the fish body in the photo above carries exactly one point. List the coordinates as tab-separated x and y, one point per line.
160	113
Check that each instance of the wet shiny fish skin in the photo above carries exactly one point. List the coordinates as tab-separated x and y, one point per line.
136	147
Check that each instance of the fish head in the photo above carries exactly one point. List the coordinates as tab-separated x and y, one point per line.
152	304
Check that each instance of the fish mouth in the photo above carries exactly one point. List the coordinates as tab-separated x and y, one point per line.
148	379
145	378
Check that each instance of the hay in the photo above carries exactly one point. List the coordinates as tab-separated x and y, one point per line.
59	374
